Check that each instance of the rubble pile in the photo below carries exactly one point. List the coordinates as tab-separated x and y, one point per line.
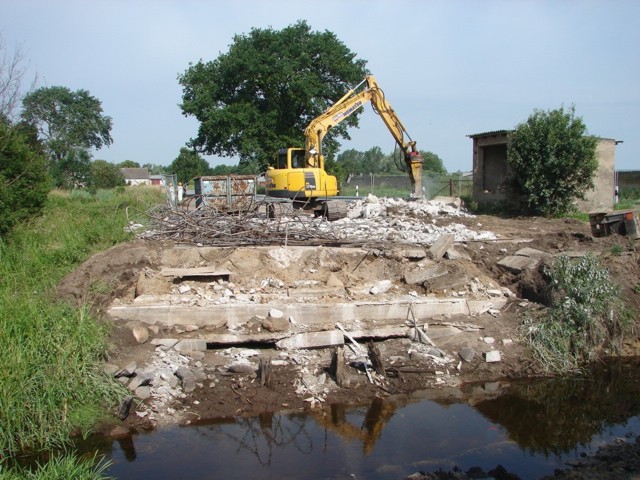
370	221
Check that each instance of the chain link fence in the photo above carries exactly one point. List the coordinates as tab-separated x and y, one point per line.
433	185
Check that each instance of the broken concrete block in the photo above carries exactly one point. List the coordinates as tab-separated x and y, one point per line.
441	245
276	324
327	338
381	287
275	313
492	356
518	263
424	274
191	345
467	354
453	202
454	253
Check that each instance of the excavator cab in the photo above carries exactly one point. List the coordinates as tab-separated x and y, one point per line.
293	177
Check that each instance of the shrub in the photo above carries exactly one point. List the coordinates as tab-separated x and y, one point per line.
586	318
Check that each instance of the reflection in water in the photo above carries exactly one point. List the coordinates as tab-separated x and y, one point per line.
554	416
529	428
262	434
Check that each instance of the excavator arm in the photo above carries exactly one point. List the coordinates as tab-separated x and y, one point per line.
351	102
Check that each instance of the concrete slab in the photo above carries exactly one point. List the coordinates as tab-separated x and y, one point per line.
235	315
307	340
518	263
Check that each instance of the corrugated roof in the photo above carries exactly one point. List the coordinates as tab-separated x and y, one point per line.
489	134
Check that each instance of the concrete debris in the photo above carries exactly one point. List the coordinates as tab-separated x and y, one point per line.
467	354
492	356
441	245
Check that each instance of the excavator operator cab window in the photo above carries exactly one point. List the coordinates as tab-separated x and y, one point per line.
281	159
297	159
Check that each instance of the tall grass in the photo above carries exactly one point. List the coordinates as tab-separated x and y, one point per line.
586	319
60	467
51	352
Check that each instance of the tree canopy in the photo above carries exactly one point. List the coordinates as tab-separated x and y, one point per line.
260	95
188	164
554	160
104	174
69	124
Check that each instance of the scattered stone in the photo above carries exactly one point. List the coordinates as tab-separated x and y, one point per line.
467	354
276	324
275	313
507	341
454	253
191	328
242	367
492	356
125	407
489	340
191	345
441	245
127	371
183	289
140	333
143	392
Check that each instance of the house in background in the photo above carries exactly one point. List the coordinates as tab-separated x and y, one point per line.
492	174
157	180
136	176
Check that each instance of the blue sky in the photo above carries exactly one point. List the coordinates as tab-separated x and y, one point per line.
449	68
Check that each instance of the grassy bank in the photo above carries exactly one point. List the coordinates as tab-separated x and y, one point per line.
51	352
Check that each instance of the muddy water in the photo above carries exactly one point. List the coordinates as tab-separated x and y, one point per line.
528	428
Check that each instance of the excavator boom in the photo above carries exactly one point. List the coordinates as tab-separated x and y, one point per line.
313	165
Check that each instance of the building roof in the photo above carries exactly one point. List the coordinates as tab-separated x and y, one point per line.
490	134
135	173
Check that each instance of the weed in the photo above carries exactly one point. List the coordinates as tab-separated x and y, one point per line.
617	249
587	316
60	467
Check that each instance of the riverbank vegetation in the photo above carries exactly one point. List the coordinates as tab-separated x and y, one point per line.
52	352
586	318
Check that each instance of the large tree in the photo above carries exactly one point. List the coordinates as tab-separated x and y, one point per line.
69	124
261	94
188	164
554	160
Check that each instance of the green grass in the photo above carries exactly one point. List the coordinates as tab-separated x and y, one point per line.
59	467
52	352
586	319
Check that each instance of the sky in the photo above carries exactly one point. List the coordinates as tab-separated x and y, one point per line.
448	68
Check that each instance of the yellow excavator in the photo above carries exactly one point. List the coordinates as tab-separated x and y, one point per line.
299	173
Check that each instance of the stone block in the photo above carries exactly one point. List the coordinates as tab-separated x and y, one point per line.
492	356
441	245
